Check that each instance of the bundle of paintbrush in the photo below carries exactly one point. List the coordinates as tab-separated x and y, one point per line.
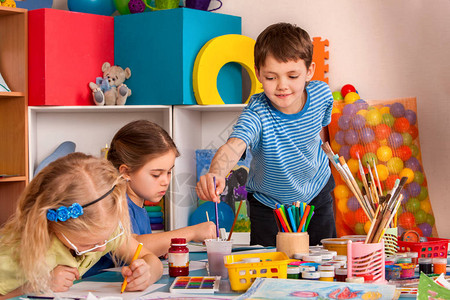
294	218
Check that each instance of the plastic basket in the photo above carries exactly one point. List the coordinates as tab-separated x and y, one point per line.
390	241
365	259
242	275
434	247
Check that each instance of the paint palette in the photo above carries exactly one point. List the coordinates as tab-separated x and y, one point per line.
195	285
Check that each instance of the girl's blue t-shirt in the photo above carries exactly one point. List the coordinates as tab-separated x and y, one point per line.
140	224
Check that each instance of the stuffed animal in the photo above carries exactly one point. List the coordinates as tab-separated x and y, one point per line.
110	89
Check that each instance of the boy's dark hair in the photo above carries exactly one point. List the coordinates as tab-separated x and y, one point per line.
284	42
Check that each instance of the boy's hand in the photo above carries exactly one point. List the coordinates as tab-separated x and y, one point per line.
204	231
206	189
138	275
63	278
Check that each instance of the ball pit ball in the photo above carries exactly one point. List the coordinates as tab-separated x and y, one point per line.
344	122
413	131
367	227
418	177
362	112
385	110
414	150
384	153
356	150
353	165
407	139
372	146
404	152
359	229
347	89
350	109
367	135
408	173
351	97
361	104
345	152
425	206
369	158
351	137
420	215
405	196
401	125
394	165
413	205
395	140
388	119
407	220
423	193
349	218
342	205
413	189
382	131
335	110
358	121
383	172
430	219
413	163
335	120
341	191
373	117
360	216
411	116
339	137
353	204
337	96
397	110
418	230
335	146
390	181
426	229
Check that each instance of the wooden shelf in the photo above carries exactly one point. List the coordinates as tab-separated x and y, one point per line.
11	94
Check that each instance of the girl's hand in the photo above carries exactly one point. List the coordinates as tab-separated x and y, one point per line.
204	231
63	278
138	275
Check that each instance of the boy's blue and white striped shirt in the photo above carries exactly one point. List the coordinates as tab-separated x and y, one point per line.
288	163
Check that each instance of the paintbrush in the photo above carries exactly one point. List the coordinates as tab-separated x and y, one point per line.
378	178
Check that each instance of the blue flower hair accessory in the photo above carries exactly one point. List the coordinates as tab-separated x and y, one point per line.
74	211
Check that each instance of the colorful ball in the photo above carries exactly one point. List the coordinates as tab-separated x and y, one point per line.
413	163
342	205
358	121
413	131
367	135
413	205
353	165
383	172
351	97
384	153
367	226
419	177
345	152
408	173
349	109
420	215
388	119
356	150
361	104
414	150
336	110
401	125
351	137
426	228
344	122
225	214
340	137
411	116
359	229
360	216
430	219
362	112
372	146
335	146
407	220
394	165
390	181
353	204
425	206
407	139
349	219
423	193
418	230
337	96
385	110
405	195
382	131
413	189
347	89
373	117
341	191
395	140
335	119
397	110
403	152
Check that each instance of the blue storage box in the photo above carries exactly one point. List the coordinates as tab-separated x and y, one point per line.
160	48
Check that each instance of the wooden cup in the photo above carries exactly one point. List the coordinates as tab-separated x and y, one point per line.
292	242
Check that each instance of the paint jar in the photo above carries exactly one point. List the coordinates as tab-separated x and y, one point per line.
392	272
311	264
404	260
305	269
341	258
315	258
178	258
326	275
389	260
311	275
326	257
325	267
414	257
293	272
354	279
292	242
407	270
439	265
341	274
300	255
368	278
425	265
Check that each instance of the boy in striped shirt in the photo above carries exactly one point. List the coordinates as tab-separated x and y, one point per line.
282	127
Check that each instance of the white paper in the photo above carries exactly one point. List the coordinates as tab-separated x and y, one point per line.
104	289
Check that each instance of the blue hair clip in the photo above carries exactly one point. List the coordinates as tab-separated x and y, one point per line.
64	213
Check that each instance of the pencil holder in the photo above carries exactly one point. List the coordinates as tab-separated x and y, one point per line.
366	259
292	242
390	241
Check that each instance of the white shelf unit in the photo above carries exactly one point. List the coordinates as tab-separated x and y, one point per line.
196	127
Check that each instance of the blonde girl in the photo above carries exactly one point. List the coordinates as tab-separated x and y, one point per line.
70	215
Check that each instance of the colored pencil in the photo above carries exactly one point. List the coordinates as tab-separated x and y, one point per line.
280	218
291	218
285	219
311	213
305	216
136	255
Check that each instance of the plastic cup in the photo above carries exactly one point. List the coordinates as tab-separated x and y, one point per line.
216	250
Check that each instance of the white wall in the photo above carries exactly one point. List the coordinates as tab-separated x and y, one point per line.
387	49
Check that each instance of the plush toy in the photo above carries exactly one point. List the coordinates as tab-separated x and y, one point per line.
110	89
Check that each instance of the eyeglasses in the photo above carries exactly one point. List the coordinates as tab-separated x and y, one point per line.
96	246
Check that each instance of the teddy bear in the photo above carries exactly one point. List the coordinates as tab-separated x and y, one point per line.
110	89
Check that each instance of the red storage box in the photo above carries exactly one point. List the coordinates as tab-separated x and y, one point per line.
434	247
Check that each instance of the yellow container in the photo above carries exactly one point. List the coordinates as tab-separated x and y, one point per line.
336	244
242	274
